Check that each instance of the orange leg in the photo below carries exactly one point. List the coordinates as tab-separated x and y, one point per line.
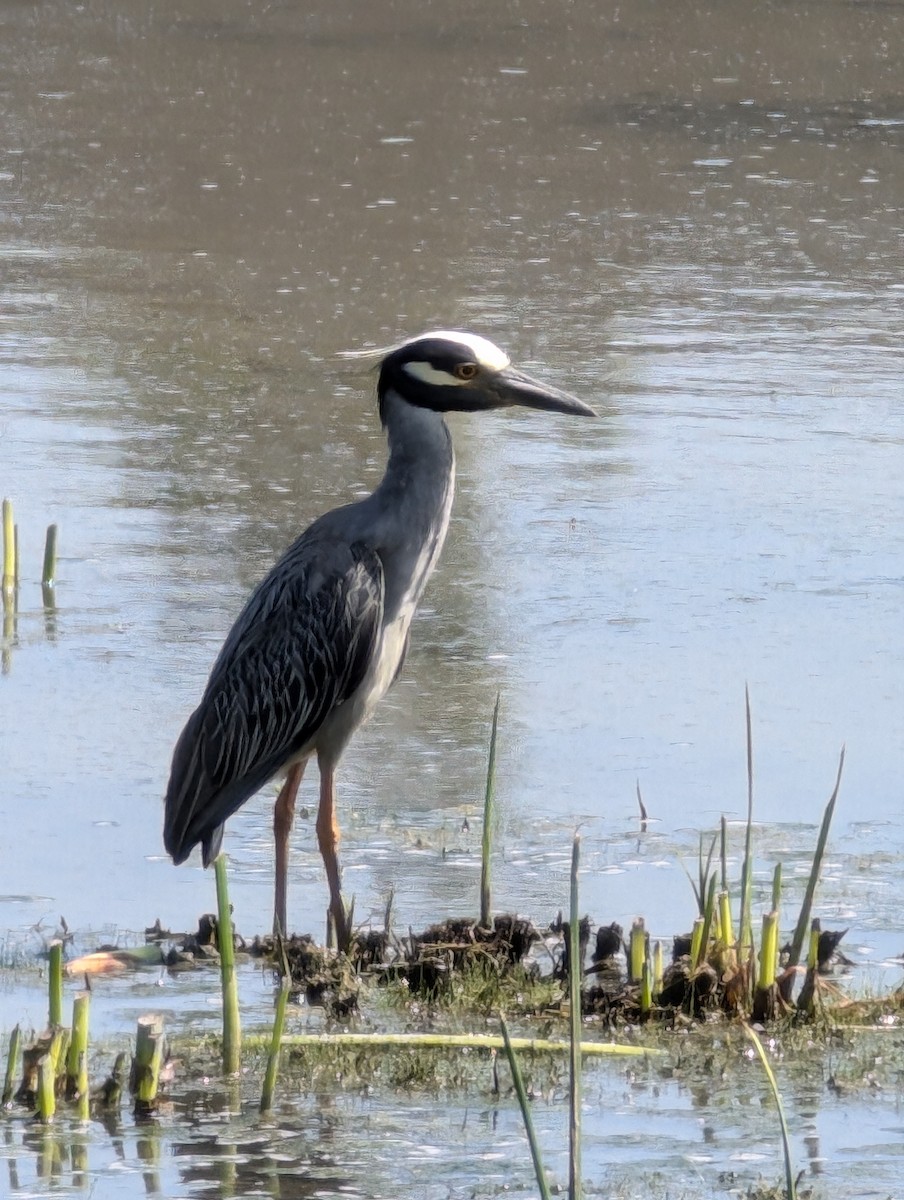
328	840
283	816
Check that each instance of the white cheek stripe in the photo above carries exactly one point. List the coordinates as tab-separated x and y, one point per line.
429	374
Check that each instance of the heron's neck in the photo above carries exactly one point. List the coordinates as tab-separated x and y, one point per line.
414	498
420	451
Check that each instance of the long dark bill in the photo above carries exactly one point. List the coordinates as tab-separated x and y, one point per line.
514	387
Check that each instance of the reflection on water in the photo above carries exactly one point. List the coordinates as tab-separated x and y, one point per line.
688	215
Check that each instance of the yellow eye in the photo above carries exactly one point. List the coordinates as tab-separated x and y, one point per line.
466	370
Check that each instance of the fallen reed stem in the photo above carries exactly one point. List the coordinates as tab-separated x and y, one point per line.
442	1041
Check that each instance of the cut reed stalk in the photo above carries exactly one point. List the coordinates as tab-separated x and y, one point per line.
697	946
524	1105
145	1078
657	968
232	1029
77	1058
646	989
46	1095
768	951
109	1094
766	994
488	819
55	983
726	925
575	1091
637	950
59	1048
10	566
813	954
48	574
12	1066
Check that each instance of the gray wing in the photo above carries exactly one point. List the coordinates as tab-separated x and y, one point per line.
300	647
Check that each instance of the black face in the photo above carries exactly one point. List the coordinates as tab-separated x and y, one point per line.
461	372
436	372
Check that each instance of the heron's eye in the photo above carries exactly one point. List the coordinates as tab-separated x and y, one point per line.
466	370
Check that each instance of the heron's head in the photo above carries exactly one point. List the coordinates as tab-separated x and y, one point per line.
462	372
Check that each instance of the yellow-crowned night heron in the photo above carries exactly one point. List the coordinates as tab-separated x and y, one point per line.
324	635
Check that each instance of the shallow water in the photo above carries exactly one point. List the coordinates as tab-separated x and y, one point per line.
689	216
697	1122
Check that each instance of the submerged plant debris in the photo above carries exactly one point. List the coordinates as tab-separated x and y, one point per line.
513	963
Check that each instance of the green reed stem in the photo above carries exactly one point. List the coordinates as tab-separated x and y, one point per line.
232	1029
710	917
745	928
697	947
575	1188
524	1105
9	579
110	1092
657	968
48	575
646	988
776	1095
55	983
637	950
489	817
12	1066
46	1097
803	921
77	1058
768	951
813	954
279	1024
149	1044
726	925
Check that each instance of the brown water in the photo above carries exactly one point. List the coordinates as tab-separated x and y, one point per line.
689	216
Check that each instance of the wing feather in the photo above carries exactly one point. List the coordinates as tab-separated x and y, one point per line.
301	647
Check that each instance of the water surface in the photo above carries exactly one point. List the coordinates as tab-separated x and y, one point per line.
687	215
